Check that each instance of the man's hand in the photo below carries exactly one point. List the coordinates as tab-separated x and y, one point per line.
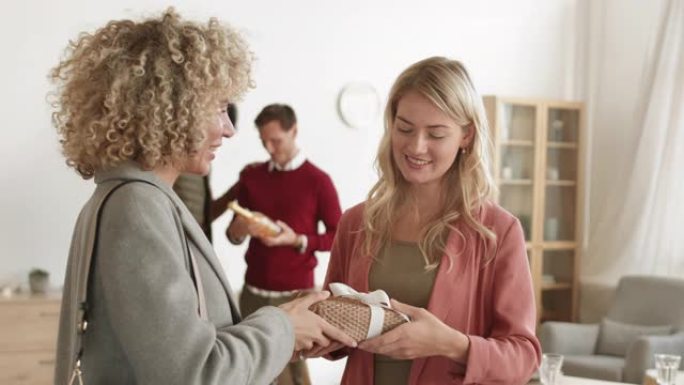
238	229
287	237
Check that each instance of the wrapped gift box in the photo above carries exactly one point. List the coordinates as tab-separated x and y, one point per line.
353	313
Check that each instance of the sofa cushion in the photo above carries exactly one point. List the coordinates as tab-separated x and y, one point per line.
607	368
615	337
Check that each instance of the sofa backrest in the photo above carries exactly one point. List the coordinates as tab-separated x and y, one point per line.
649	300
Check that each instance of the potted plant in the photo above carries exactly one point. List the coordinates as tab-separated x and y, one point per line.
38	281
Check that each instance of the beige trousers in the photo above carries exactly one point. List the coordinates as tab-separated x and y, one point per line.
295	373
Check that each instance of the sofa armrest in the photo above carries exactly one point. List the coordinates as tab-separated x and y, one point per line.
568	338
640	353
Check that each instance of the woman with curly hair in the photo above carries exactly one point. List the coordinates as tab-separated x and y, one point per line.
429	235
145	299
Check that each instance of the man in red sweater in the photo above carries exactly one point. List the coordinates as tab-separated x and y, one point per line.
297	195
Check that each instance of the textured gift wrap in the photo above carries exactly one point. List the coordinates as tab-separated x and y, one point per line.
353	316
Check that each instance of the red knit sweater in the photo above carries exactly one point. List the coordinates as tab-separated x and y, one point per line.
301	198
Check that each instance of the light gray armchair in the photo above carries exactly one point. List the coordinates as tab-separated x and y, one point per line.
645	317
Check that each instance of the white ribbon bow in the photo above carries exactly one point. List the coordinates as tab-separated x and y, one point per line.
376	300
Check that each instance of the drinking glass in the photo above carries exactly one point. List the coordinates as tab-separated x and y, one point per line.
550	370
667	366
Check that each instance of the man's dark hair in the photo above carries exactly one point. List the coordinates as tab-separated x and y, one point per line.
283	113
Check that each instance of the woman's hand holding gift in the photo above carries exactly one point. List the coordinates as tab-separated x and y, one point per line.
424	336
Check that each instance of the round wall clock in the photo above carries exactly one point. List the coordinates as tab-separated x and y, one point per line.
358	104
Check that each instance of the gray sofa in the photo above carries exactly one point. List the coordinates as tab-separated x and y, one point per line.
645	317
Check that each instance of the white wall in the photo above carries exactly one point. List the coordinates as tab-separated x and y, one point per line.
307	50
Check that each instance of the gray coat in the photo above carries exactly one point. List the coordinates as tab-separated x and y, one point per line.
144	326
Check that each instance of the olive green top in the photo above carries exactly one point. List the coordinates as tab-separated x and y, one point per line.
399	270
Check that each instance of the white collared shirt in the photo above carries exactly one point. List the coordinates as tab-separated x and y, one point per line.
293	164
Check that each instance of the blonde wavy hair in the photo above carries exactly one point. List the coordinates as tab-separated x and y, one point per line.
145	91
468	181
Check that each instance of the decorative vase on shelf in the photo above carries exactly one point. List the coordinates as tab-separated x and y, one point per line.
552	173
507	173
548	279
552	229
557	130
505	132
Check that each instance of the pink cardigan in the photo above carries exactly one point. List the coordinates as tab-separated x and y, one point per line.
493	304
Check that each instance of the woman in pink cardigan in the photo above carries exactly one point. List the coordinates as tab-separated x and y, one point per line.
429	235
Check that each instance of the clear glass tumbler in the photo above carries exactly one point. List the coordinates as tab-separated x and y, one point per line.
550	370
667	366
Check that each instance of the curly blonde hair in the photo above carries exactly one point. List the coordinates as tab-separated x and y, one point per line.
145	91
468	181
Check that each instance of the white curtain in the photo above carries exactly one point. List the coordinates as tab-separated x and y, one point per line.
639	227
